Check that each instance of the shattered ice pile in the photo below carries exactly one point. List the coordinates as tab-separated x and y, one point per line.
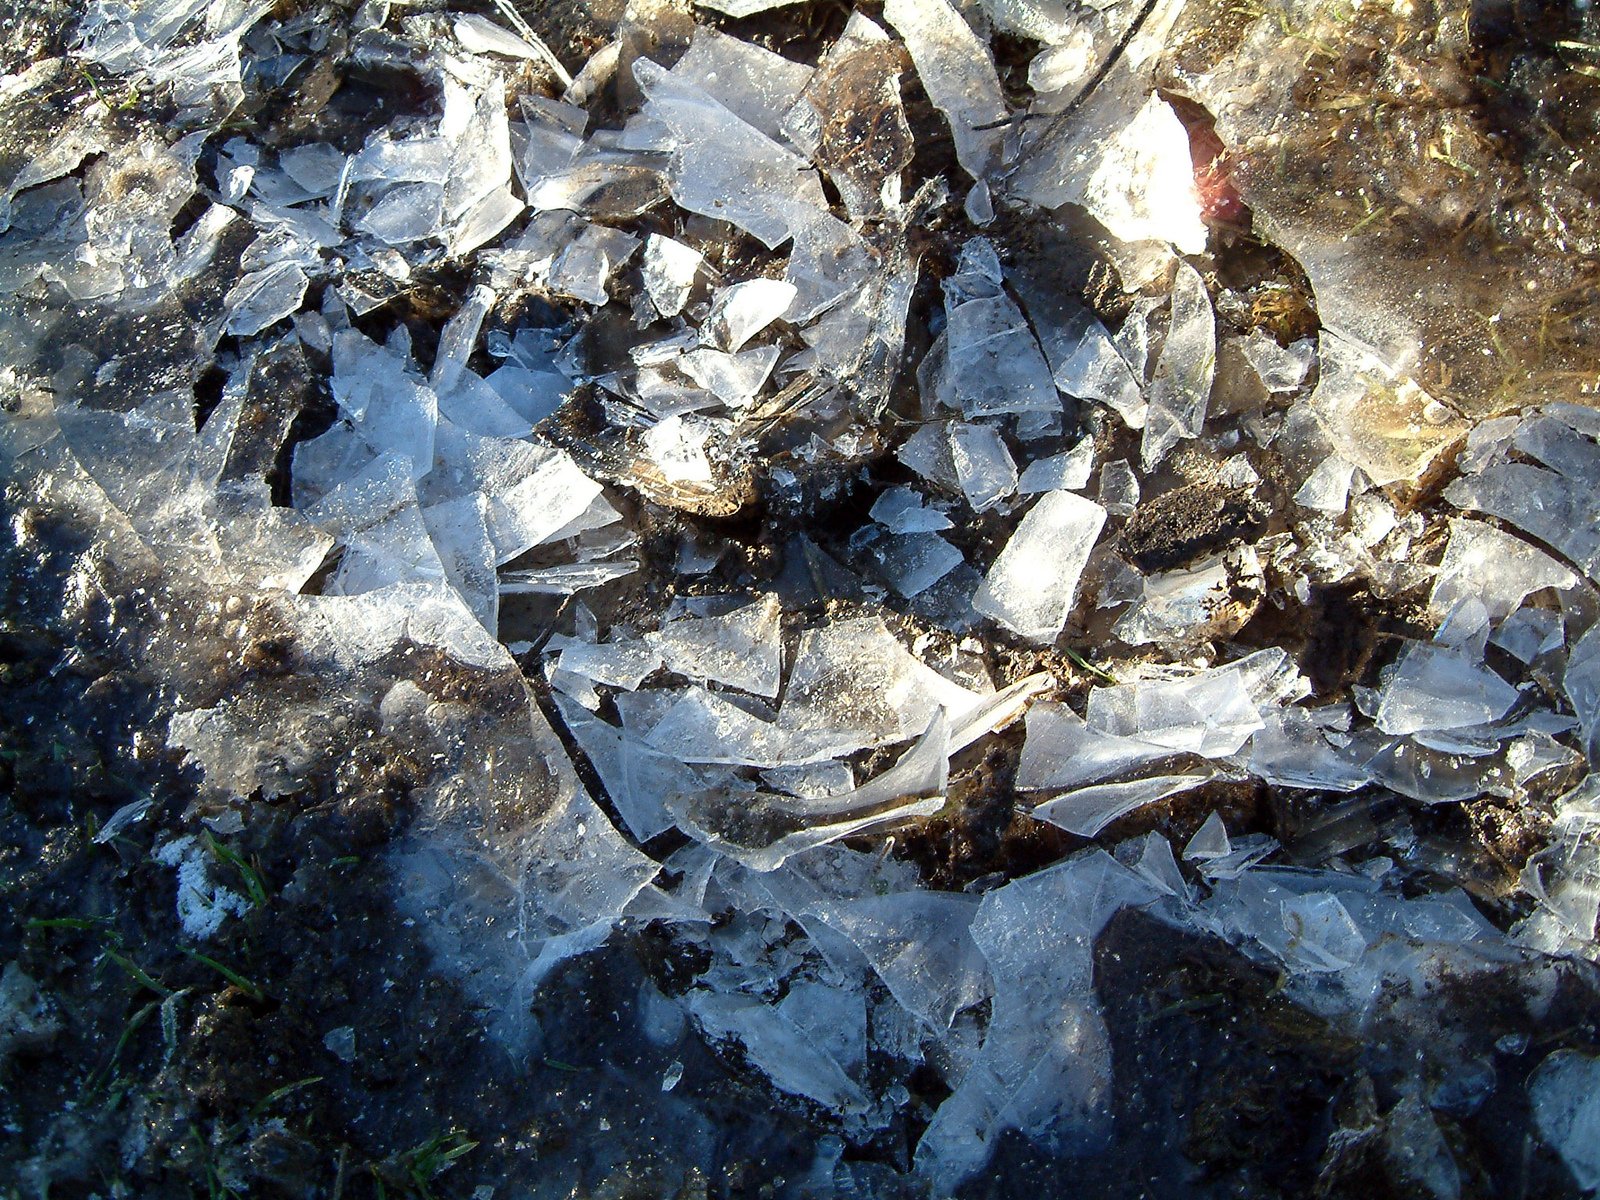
693	302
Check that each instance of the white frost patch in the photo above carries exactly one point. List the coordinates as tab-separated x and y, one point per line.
203	904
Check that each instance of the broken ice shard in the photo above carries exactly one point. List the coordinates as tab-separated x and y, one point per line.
1033	583
1087	811
959	77
984	468
1432	687
742	648
1181	387
1565	1093
740	312
670	269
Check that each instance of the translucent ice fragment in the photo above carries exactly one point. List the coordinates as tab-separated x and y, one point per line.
763	830
912	563
1209	842
734	379
853	685
1181	387
1564	1091
1135	175
901	510
1432	687
775	1044
1033	583
1087	811
1061	751
768	191
927	452
984	468
1044	1068
1541	503
993	364
459	338
1068	471
740	312
1280	368
636	777
743	649
264	298
1385	425
920	945
670	269
620	663
1119	488
959	77
756	85
677	446
1493	567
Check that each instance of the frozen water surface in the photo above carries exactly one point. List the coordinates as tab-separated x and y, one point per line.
718	628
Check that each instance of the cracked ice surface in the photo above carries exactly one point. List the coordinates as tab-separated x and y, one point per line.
594	448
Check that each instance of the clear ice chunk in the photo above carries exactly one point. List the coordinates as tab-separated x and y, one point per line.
670	270
1180	390
1494	568
1433	687
993	365
901	510
742	649
740	312
264	298
984	468
1068	471
1564	1091
959	76
1210	842
912	563
756	85
734	379
1119	488
1033	583
1280	368
753	182
1087	811
1543	504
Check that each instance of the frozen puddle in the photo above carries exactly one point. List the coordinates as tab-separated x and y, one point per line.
644	491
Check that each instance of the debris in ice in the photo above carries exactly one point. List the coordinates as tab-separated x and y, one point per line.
763	830
1033	584
1386	426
